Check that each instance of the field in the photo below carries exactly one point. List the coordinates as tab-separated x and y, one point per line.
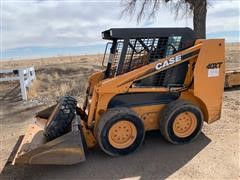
214	155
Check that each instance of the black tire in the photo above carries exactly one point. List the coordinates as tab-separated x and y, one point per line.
60	120
111	117
167	118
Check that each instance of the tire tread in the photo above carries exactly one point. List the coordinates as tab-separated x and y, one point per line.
167	112
61	122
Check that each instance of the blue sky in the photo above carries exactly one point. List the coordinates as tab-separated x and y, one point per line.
40	28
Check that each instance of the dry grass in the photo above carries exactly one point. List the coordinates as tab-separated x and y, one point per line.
51	61
33	90
69	78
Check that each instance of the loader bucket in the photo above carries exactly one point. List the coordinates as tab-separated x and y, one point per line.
64	150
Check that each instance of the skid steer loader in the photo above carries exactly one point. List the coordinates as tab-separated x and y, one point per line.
155	79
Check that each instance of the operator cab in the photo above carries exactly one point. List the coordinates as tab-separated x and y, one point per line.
132	48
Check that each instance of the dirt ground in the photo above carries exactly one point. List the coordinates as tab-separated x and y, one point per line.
214	155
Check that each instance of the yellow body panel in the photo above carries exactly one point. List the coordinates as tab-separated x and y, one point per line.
209	77
150	115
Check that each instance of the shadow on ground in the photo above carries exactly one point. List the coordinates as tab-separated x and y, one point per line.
156	159
13	94
234	88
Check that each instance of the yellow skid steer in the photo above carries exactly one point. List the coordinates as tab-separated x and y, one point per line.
154	79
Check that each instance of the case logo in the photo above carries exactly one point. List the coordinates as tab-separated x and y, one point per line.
168	62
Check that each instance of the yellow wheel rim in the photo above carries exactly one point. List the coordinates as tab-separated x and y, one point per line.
122	134
184	124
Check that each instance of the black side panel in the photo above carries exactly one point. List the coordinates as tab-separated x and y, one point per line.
141	99
176	75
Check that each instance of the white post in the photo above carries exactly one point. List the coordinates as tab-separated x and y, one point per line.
28	81
22	84
33	73
25	77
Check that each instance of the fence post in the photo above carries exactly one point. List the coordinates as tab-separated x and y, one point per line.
28	80
33	73
22	84
25	77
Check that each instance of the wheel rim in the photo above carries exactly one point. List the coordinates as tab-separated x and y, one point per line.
122	134
184	124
